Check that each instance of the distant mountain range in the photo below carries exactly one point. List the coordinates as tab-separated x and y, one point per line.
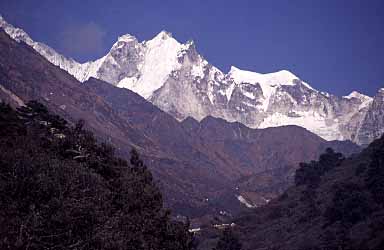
205	168
178	80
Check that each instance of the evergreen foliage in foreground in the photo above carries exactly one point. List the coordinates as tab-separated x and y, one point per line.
228	241
60	189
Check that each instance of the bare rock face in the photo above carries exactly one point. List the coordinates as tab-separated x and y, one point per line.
372	126
122	61
178	80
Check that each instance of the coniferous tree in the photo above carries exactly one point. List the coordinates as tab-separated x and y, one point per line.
61	189
310	173
228	241
375	175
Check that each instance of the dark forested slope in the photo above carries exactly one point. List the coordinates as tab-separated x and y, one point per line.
60	189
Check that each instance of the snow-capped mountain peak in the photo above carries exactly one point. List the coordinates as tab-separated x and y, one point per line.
363	99
269	82
355	94
177	79
159	58
282	77
123	41
163	35
126	38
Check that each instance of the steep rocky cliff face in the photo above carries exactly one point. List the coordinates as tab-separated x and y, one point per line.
178	80
373	124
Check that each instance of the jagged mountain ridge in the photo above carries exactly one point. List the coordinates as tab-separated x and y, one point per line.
178	80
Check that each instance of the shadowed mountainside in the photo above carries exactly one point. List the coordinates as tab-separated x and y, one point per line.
336	203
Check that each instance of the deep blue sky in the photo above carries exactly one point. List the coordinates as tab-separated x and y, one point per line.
335	45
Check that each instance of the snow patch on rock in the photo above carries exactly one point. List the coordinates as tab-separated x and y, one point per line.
245	202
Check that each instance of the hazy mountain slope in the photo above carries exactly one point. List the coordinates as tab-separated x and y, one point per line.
260	161
199	169
29	76
178	80
226	152
335	204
